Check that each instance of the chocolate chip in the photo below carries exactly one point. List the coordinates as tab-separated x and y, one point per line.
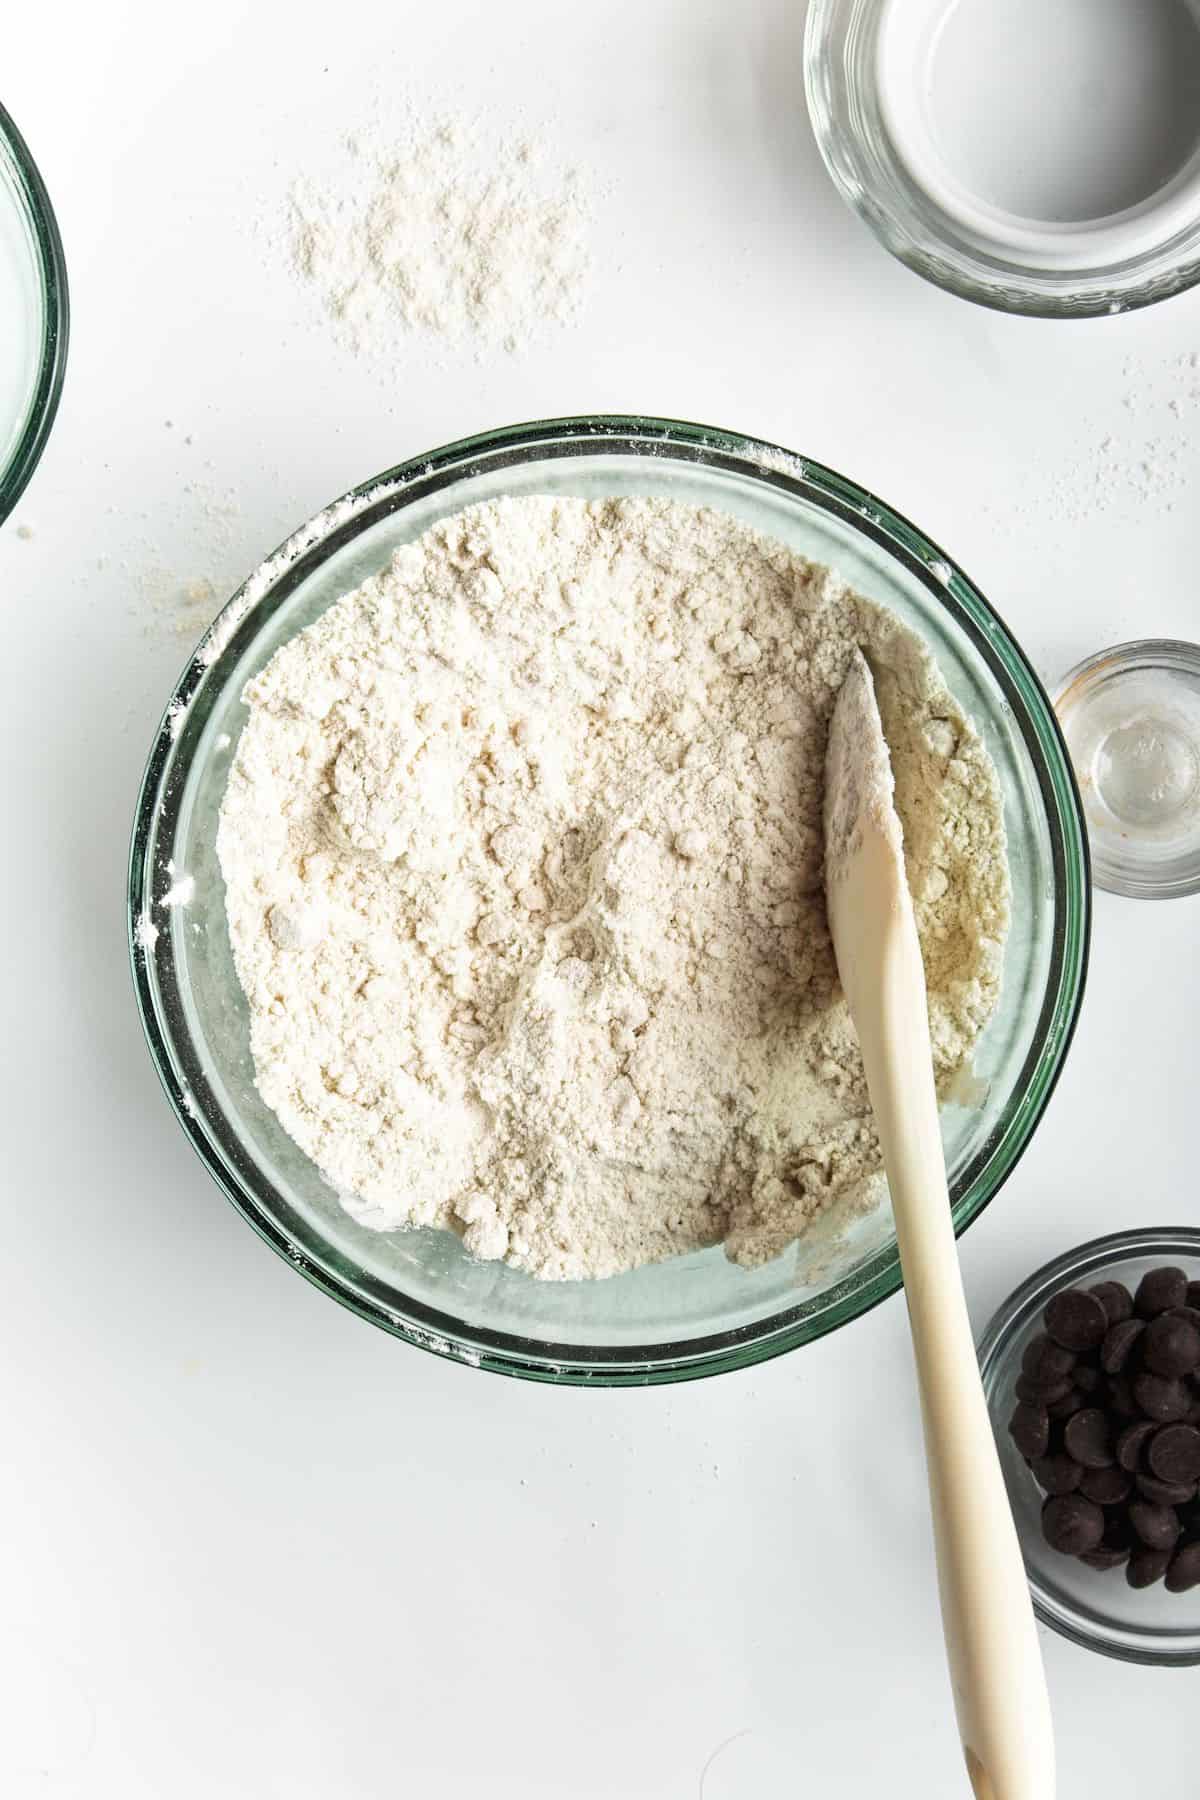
1044	1360
1072	1524
1160	1397
1184	1571
1190	1313
1146	1567
1120	1397
1131	1441
1029	1429
1076	1319
1087	1438
1042	1393
1115	1298
1057	1473
1174	1453
1118	1532
1165	1493
1104	1559
1069	1403
1171	1345
1118	1342
1086	1378
1107	1487
1189	1517
1160	1290
1157	1526
1193	1294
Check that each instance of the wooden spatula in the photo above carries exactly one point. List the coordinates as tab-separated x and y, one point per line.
991	1642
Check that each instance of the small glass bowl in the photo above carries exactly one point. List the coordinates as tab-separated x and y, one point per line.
1131	718
1096	1609
1146	253
33	315
697	1314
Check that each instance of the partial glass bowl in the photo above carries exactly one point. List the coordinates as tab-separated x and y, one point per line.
873	152
33	315
1096	1609
699	1313
1131	719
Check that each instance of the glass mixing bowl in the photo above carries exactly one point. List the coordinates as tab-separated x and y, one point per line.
1098	1610
33	315
699	1313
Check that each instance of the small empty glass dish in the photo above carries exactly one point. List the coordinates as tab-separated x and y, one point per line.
1097	1609
33	315
1131	718
1041	159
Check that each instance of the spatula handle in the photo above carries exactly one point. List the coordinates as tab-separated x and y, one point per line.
991	1639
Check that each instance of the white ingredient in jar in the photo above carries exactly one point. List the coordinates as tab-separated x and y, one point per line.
523	858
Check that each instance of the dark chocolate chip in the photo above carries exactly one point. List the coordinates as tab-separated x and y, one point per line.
1088	1440
1165	1493
1118	1532
1076	1319
1171	1345
1042	1393
1146	1567
1057	1474
1120	1397
1159	1291
1029	1429
1118	1342
1086	1378
1115	1298
1174	1453
1160	1397
1104	1559
1044	1360
1157	1526
1190	1313
1107	1487
1184	1571
1193	1294
1070	1403
1131	1442
1072	1524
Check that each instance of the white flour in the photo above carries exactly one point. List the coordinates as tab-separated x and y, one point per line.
523	855
446	236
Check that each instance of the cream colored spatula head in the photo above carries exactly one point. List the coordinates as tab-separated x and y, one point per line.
991	1641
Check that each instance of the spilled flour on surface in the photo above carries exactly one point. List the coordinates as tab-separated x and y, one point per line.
448	236
522	847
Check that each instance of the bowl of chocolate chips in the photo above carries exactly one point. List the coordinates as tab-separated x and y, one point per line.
1092	1373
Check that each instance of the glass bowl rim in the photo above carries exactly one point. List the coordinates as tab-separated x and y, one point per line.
993	281
56	323
1011	1317
1176	653
773	466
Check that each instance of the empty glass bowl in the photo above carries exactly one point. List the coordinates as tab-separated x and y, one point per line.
33	315
1096	1609
699	1313
918	105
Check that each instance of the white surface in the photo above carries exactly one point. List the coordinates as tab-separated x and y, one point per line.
250	1547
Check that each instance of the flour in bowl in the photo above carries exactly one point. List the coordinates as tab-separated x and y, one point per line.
523	858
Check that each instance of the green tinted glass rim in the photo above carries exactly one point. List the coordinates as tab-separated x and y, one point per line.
56	314
769	464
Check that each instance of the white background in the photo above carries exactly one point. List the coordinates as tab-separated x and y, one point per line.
250	1547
